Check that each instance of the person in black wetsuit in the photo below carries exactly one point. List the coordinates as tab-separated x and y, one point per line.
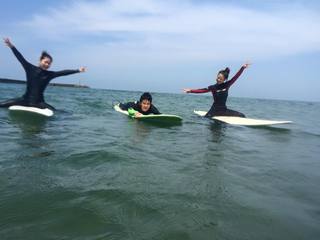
220	93
142	107
38	79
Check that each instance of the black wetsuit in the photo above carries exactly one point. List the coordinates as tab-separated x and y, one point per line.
37	81
220	95
136	106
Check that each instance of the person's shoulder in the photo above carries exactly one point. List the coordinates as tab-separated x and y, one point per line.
133	103
154	109
127	105
46	71
32	67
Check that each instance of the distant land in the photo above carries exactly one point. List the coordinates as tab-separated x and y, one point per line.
12	81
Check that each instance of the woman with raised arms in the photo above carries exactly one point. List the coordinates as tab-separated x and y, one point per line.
38	78
220	93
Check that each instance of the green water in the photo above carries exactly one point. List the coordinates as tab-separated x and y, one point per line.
92	173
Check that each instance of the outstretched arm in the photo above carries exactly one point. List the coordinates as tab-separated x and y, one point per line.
235	77
67	72
202	90
18	55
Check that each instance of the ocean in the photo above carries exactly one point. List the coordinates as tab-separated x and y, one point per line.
92	173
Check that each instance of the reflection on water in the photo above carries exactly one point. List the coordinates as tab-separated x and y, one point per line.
28	123
142	129
33	128
218	131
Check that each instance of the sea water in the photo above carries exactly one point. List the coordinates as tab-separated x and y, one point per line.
92	173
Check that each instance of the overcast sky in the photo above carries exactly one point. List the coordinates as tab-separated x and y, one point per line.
164	46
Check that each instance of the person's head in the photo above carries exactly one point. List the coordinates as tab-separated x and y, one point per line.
45	60
145	101
223	75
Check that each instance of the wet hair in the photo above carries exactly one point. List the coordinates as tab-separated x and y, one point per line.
45	54
146	96
225	73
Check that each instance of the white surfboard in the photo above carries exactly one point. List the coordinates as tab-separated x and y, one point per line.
152	117
45	112
242	121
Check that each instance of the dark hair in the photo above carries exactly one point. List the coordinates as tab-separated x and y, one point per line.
146	96
225	72
45	54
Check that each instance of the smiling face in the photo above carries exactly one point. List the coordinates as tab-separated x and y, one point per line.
220	78
145	105
45	63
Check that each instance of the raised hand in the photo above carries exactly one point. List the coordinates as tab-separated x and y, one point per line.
8	42
82	69
246	65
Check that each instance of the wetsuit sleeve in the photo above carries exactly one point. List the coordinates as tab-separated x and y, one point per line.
126	106
154	110
20	58
63	73
201	90
235	77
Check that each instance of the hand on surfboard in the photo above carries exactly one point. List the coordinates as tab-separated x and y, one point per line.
8	42
137	114
133	113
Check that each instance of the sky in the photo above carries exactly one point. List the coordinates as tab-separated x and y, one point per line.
165	46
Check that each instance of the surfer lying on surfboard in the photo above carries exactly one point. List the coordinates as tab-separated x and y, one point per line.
142	107
220	93
38	77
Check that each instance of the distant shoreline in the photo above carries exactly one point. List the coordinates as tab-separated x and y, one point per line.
12	81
